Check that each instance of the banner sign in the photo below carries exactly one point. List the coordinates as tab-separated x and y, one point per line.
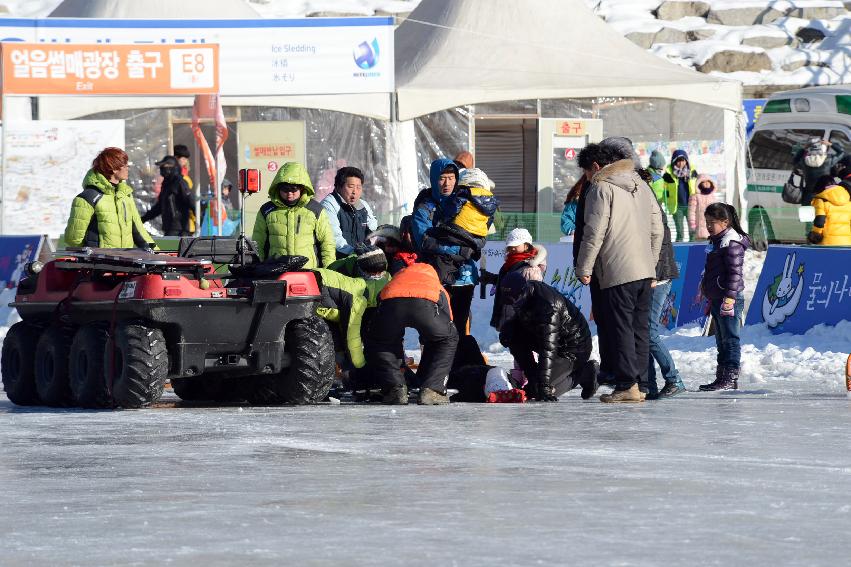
15	253
99	69
43	169
801	287
256	57
753	108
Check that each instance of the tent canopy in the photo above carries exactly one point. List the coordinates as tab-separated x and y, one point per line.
455	52
217	9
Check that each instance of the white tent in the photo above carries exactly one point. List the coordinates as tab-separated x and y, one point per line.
213	9
451	53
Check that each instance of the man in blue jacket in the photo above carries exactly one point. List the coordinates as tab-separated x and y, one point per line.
351	217
427	214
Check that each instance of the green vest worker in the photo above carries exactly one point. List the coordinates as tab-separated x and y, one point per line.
292	223
104	215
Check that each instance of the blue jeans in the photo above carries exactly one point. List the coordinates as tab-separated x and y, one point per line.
727	333
658	351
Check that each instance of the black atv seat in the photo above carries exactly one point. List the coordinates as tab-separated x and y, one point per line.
217	249
127	260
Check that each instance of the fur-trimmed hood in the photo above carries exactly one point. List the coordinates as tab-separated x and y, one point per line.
540	258
621	174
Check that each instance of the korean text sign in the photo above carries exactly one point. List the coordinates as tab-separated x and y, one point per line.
800	287
41	69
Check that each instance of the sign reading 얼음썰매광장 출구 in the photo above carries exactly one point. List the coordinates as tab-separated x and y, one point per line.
308	56
43	69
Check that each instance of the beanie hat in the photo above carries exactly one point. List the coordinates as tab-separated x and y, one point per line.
496	380
385	232
475	177
180	150
370	259
657	160
624	148
518	236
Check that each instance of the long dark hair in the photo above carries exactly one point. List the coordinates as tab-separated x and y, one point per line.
725	212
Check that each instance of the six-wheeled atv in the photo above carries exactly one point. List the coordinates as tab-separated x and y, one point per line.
105	328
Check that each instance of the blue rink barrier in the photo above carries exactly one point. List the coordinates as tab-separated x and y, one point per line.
801	287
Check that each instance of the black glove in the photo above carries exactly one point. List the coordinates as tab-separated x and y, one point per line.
466	252
814	238
546	393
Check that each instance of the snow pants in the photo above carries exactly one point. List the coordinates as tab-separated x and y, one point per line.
387	332
626	312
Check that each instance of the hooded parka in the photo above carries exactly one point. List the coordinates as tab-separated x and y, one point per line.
105	216
833	217
302	229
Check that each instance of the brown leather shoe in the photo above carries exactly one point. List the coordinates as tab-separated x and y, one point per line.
631	396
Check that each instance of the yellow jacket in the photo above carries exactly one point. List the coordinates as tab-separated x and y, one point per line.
833	217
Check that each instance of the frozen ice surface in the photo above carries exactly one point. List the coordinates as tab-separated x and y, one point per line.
703	479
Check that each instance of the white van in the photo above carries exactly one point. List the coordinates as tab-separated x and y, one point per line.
788	121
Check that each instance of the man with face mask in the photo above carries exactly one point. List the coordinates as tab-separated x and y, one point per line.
175	202
292	222
815	161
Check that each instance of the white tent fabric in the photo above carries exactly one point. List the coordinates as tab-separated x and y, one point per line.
213	9
455	52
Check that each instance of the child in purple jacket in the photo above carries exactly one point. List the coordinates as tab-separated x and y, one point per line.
723	284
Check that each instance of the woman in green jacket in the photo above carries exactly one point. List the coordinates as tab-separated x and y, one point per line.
104	215
292	222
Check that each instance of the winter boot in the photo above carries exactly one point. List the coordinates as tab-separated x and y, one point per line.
429	397
630	396
514	396
726	379
671	389
588	379
395	396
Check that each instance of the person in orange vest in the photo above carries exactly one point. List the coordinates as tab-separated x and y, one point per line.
414	298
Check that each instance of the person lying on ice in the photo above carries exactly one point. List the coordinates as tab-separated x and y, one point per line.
414	298
537	319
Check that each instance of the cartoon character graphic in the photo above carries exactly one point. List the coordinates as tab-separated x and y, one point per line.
568	285
782	297
669	310
21	261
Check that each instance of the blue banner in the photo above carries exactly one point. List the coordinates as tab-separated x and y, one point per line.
15	253
753	108
802	286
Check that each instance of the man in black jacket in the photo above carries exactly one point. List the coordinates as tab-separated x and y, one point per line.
538	319
175	200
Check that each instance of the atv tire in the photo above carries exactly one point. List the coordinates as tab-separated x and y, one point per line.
51	367
18	364
138	361
311	373
87	378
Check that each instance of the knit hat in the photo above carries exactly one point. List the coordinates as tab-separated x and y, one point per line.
385	232
370	259
475	177
657	160
180	150
496	380
624	148
518	236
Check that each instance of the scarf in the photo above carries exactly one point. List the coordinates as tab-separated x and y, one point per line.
407	257
682	172
517	257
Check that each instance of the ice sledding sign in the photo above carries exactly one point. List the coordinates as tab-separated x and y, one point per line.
109	69
800	287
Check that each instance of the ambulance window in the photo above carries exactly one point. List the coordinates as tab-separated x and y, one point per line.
840	141
774	149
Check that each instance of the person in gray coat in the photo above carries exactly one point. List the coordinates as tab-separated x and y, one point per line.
621	248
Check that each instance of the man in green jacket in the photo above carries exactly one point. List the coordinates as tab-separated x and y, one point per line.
343	304
104	214
656	169
680	184
292	222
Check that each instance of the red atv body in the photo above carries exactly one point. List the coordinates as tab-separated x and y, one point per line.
106	328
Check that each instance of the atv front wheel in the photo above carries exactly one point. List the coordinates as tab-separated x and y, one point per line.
51	367
311	372
18	364
86	375
139	367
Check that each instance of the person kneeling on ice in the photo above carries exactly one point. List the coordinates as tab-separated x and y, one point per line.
413	298
537	319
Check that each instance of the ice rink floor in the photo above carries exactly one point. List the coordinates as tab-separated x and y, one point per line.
703	479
